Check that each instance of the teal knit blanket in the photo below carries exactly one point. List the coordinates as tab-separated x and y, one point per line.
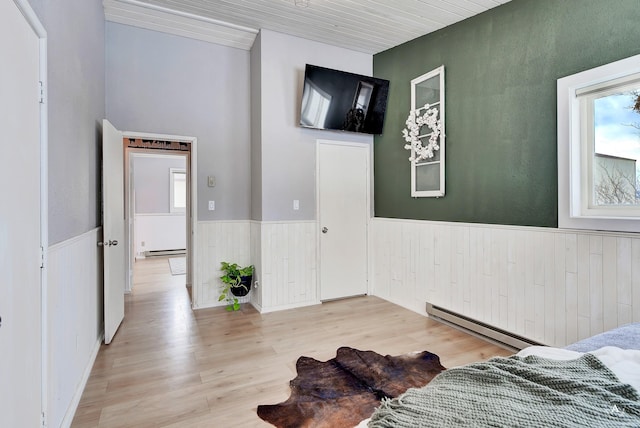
517	392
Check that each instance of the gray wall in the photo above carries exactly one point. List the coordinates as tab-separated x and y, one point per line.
256	128
161	83
151	182
76	105
288	152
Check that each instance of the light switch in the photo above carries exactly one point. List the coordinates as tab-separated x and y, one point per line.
296	204
212	205
211	181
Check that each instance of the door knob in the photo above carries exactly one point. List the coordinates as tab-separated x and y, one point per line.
107	243
325	230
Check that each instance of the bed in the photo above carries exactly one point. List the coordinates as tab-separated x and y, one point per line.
594	382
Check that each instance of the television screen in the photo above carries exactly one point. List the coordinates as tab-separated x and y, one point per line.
337	100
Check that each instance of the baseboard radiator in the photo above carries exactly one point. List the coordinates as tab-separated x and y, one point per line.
156	253
479	328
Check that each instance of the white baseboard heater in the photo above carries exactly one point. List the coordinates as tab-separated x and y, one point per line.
155	253
479	328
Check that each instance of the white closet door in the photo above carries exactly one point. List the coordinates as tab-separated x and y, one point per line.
343	180
20	240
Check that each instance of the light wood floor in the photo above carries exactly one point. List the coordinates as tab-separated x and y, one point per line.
169	366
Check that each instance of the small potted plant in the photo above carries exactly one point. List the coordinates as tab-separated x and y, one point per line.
236	282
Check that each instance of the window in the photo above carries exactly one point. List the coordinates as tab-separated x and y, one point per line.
599	148
427	95
177	190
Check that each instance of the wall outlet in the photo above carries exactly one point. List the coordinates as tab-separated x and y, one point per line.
212	205
142	244
296	204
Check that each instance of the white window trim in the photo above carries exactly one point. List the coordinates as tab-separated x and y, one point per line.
588	208
414	164
172	207
571	214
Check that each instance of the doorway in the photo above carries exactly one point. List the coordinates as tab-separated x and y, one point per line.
157	209
118	259
158	205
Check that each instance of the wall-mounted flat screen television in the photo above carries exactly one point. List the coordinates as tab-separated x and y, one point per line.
338	100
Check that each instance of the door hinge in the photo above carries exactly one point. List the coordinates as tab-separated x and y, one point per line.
42	420
41	257
41	87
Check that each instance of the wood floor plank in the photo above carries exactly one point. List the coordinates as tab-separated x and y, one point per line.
169	366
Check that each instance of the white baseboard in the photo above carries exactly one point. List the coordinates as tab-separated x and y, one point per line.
264	310
73	406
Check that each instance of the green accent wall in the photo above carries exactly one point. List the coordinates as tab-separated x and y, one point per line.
501	69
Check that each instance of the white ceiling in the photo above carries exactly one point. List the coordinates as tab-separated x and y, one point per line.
369	26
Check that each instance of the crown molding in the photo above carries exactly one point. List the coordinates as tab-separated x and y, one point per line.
158	18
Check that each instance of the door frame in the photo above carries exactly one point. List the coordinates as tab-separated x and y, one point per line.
39	30
369	203
129	196
191	220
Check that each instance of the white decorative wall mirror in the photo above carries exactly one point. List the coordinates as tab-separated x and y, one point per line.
424	134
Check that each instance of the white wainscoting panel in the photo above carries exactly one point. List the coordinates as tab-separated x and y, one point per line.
256	258
219	241
75	322
160	232
283	253
288	265
553	286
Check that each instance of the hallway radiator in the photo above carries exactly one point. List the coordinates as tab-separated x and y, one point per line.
155	253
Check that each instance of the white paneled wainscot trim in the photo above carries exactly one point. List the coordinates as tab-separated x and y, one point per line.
74	324
158	232
550	285
283	253
219	241
287	265
256	257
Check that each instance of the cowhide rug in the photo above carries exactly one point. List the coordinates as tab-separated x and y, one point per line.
346	389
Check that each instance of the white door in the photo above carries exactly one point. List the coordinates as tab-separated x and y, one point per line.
343	206
113	227
20	231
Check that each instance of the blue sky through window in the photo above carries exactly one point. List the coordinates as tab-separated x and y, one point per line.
614	133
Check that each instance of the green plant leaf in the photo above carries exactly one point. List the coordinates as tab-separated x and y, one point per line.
231	279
